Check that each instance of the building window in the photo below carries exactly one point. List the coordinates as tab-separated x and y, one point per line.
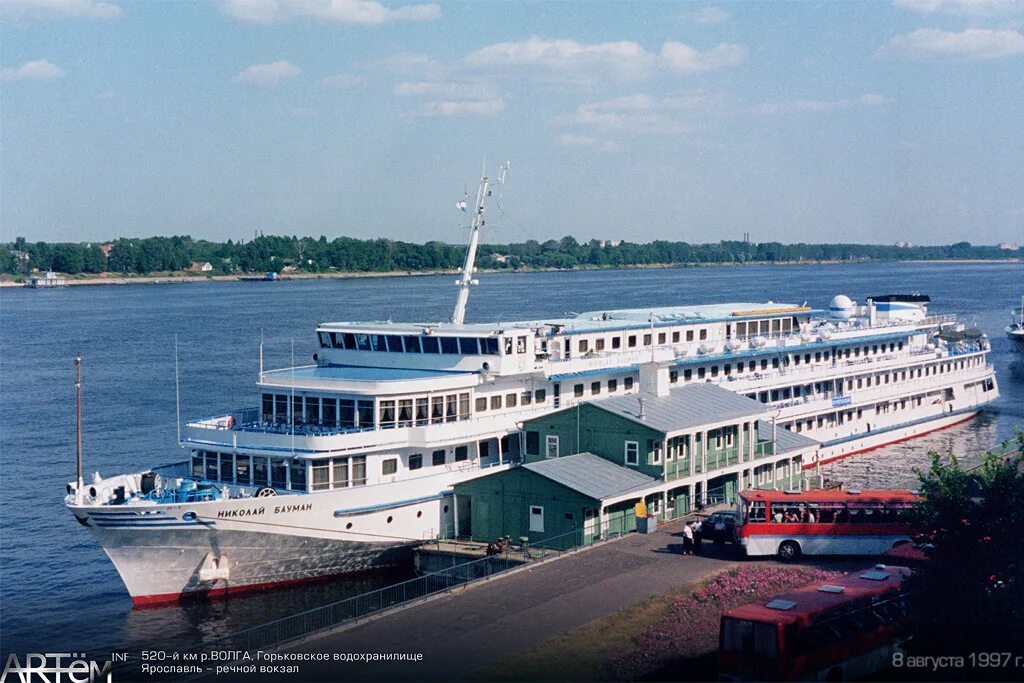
532	443
437	458
390	466
551	446
415	461
632	453
461	453
657	452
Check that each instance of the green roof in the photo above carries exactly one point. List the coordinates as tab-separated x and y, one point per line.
591	475
688	407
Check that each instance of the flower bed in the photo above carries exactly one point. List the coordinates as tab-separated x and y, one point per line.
691	627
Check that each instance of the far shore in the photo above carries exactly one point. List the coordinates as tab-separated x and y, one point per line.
184	278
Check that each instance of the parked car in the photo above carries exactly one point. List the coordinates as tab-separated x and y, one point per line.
720	527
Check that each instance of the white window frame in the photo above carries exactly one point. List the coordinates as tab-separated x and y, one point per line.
537	517
549	441
636	453
657	452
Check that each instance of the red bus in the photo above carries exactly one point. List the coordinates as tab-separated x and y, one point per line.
833	522
841	631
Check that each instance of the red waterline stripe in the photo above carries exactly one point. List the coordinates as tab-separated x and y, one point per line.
890	443
165	599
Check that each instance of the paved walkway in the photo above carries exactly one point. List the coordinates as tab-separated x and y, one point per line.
461	632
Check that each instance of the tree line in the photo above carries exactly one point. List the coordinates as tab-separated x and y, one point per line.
346	254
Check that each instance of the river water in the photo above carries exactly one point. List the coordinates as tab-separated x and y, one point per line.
58	590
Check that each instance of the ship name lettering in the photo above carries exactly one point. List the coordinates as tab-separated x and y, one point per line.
305	507
245	512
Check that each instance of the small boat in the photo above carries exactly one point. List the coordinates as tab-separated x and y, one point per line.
269	276
1015	330
50	279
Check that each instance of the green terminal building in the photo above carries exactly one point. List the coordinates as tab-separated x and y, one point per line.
586	467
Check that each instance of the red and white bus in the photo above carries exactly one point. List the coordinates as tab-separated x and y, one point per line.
842	631
833	522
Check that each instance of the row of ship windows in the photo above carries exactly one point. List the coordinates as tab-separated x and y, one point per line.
743	330
320	410
278	473
414	343
511	400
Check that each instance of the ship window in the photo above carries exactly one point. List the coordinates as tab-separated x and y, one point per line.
359	470
647	340
389	466
450	408
405	412
599	344
483	449
259	472
508	346
211	466
415	461
339	467
490	346
347	413
377	342
325	340
281	407
532	443
365	414
526	399
464	406
687	374
226	467
577	390
714	371
337	341
689	335
422	410
613	385
776	325
321	476
631	341
243	469
520	344
363	342
661	338
701	371
296	409
616	342
394	343
540	395
450	345
279	473
461	453
330	411
627	383
438	457
436	409
468	346
511	400
496	402
703	334
584	345
675	337
741	330
595	388
412	344
430	345
481	404
387	414
298	474
268	407
197	464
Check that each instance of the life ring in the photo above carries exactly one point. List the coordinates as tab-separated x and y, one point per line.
265	492
230	422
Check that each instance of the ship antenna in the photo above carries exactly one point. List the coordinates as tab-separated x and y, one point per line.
177	392
78	425
293	397
466	279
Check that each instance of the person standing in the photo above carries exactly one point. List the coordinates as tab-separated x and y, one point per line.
698	534
688	539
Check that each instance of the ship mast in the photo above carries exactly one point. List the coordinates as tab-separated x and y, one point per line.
78	425
466	279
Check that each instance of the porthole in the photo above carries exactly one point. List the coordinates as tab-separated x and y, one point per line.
419	514
390	519
349	525
446	508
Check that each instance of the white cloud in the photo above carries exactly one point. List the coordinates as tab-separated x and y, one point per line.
570	59
412	65
711	15
268	74
449	109
971	44
37	70
867	100
343	80
975	8
642	113
449	89
685	59
39	10
573	141
364	12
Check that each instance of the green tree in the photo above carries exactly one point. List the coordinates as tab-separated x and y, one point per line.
69	258
969	596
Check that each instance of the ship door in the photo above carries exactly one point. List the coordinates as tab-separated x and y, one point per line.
464	516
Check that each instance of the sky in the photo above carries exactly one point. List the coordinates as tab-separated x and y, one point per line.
869	122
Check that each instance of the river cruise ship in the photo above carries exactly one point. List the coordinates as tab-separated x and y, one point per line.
348	463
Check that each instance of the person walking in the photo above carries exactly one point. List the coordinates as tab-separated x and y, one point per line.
688	539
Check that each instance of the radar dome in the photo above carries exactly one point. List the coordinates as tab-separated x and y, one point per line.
841	307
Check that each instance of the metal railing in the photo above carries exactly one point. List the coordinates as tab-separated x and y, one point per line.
350	610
